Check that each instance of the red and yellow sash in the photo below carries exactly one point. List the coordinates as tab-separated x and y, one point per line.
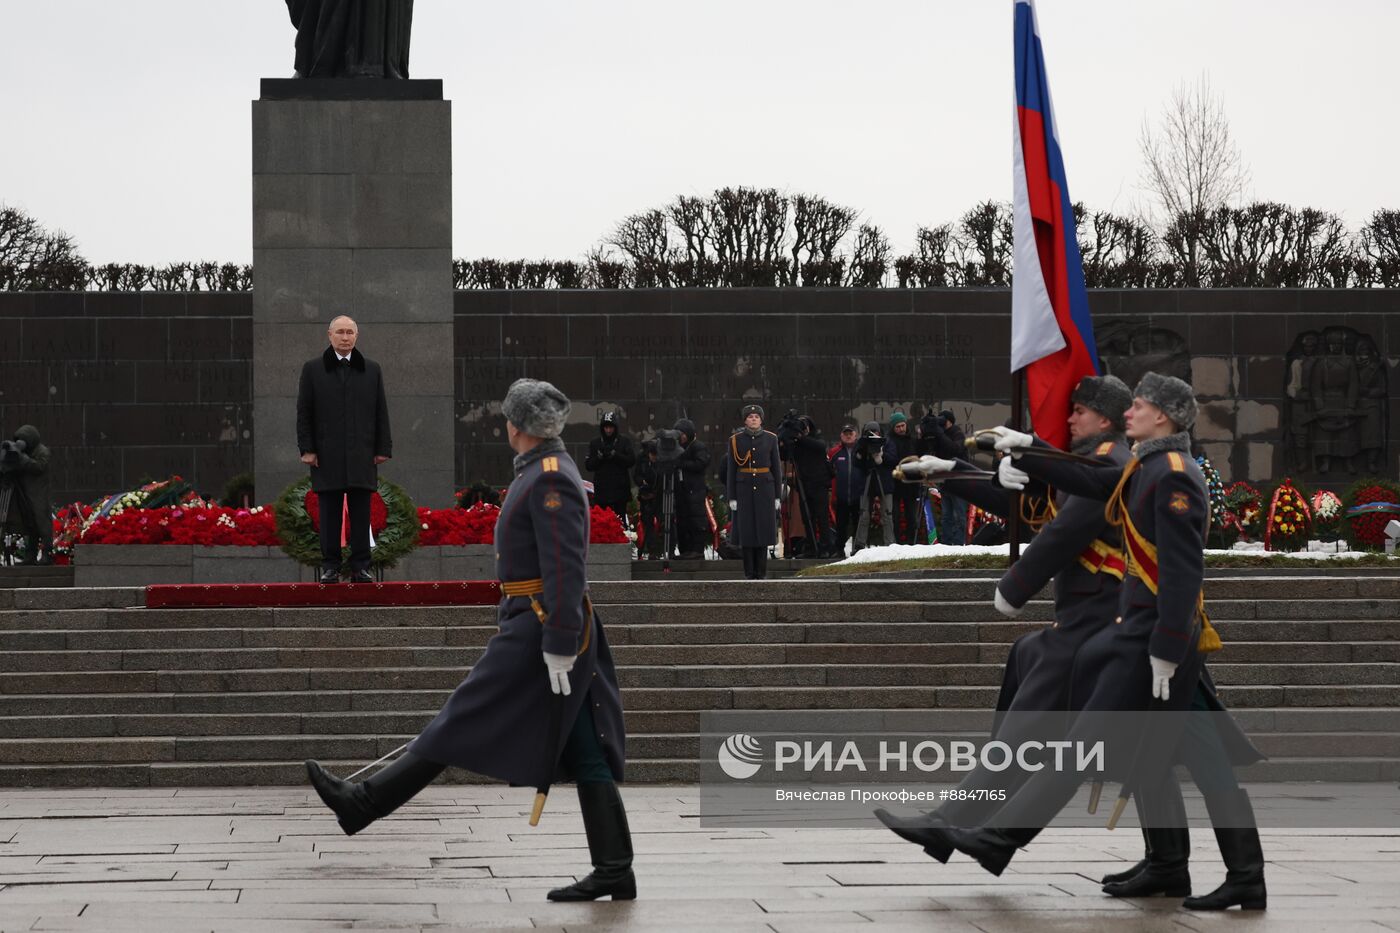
1098	557
1142	557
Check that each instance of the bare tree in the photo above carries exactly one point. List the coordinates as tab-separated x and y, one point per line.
35	259
1117	251
1270	245
818	229
870	258
1378	250
1191	166
982	245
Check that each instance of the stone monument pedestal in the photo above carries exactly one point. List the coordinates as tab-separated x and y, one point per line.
352	214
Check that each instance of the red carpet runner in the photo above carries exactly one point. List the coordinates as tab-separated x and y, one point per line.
242	595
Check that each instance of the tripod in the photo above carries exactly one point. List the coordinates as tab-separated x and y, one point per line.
668	513
803	511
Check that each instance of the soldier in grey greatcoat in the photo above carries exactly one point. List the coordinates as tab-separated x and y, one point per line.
1151	658
496	722
752	475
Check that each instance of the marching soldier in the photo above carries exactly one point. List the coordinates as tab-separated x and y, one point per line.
495	722
1082	552
752	474
1160	500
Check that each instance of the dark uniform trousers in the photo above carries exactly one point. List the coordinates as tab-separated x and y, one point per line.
333	503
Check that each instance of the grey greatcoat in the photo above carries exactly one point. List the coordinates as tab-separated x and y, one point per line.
495	722
752	473
1086	590
343	418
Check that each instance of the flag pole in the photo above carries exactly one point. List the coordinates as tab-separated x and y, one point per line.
1013	516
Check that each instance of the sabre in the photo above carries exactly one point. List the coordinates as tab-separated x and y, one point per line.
917	470
556	719
985	439
377	761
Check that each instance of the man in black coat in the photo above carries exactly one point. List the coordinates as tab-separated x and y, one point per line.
940	436
609	458
815	472
692	493
496	723
343	435
24	469
898	445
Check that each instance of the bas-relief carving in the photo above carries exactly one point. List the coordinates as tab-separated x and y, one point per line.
1129	349
1337	399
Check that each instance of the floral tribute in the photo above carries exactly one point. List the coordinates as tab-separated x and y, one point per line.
977	517
1327	515
1370	504
1290	519
1242	508
188	524
477	525
1215	489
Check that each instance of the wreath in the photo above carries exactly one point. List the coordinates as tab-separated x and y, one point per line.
1371	504
1290	520
394	538
1215	488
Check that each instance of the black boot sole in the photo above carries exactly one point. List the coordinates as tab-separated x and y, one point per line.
333	798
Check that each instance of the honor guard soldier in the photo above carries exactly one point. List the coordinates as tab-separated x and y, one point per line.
550	649
752	476
1083	554
1152	657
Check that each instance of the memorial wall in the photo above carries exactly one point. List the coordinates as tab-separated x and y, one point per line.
127	387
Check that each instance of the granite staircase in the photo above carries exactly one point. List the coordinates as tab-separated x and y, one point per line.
96	690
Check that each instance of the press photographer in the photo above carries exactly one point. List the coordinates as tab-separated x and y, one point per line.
940	436
879	484
692	493
24	494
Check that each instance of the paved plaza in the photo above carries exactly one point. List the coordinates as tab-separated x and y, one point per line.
272	859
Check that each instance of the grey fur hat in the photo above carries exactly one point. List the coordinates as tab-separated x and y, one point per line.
1107	395
1174	397
751	410
535	407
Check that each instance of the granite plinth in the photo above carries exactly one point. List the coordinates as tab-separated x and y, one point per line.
351	89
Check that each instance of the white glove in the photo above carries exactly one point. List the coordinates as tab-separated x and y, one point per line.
880	455
559	666
733	505
1162	672
931	464
778	504
1010	475
1004	607
1009	440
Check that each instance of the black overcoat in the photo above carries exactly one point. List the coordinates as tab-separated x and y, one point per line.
343	418
610	459
29	471
751	473
496	721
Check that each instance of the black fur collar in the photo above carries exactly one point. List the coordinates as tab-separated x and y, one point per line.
1157	445
357	360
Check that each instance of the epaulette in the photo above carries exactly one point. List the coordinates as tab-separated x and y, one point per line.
1174	458
1104	449
549	464
769	433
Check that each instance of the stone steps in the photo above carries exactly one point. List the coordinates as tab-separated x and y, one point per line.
94	693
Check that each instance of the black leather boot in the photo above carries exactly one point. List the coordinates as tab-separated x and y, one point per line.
1244	874
1242	853
609	847
1118	876
992	848
927	830
356	805
1166	872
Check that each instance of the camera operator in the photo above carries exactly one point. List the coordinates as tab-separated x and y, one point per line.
609	457
648	481
692	493
879	484
905	516
850	478
815	472
940	436
24	489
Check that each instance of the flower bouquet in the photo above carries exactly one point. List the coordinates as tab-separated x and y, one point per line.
1327	515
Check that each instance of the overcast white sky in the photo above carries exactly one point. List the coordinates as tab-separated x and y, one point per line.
127	123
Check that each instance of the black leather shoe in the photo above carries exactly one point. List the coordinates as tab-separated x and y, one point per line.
609	847
1166	872
328	577
353	811
926	831
361	576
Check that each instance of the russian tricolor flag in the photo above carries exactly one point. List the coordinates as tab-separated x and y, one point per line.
1052	337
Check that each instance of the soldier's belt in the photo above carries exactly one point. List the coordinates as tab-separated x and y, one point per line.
532	589
753	469
1100	557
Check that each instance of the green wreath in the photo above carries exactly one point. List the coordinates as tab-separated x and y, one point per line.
302	544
